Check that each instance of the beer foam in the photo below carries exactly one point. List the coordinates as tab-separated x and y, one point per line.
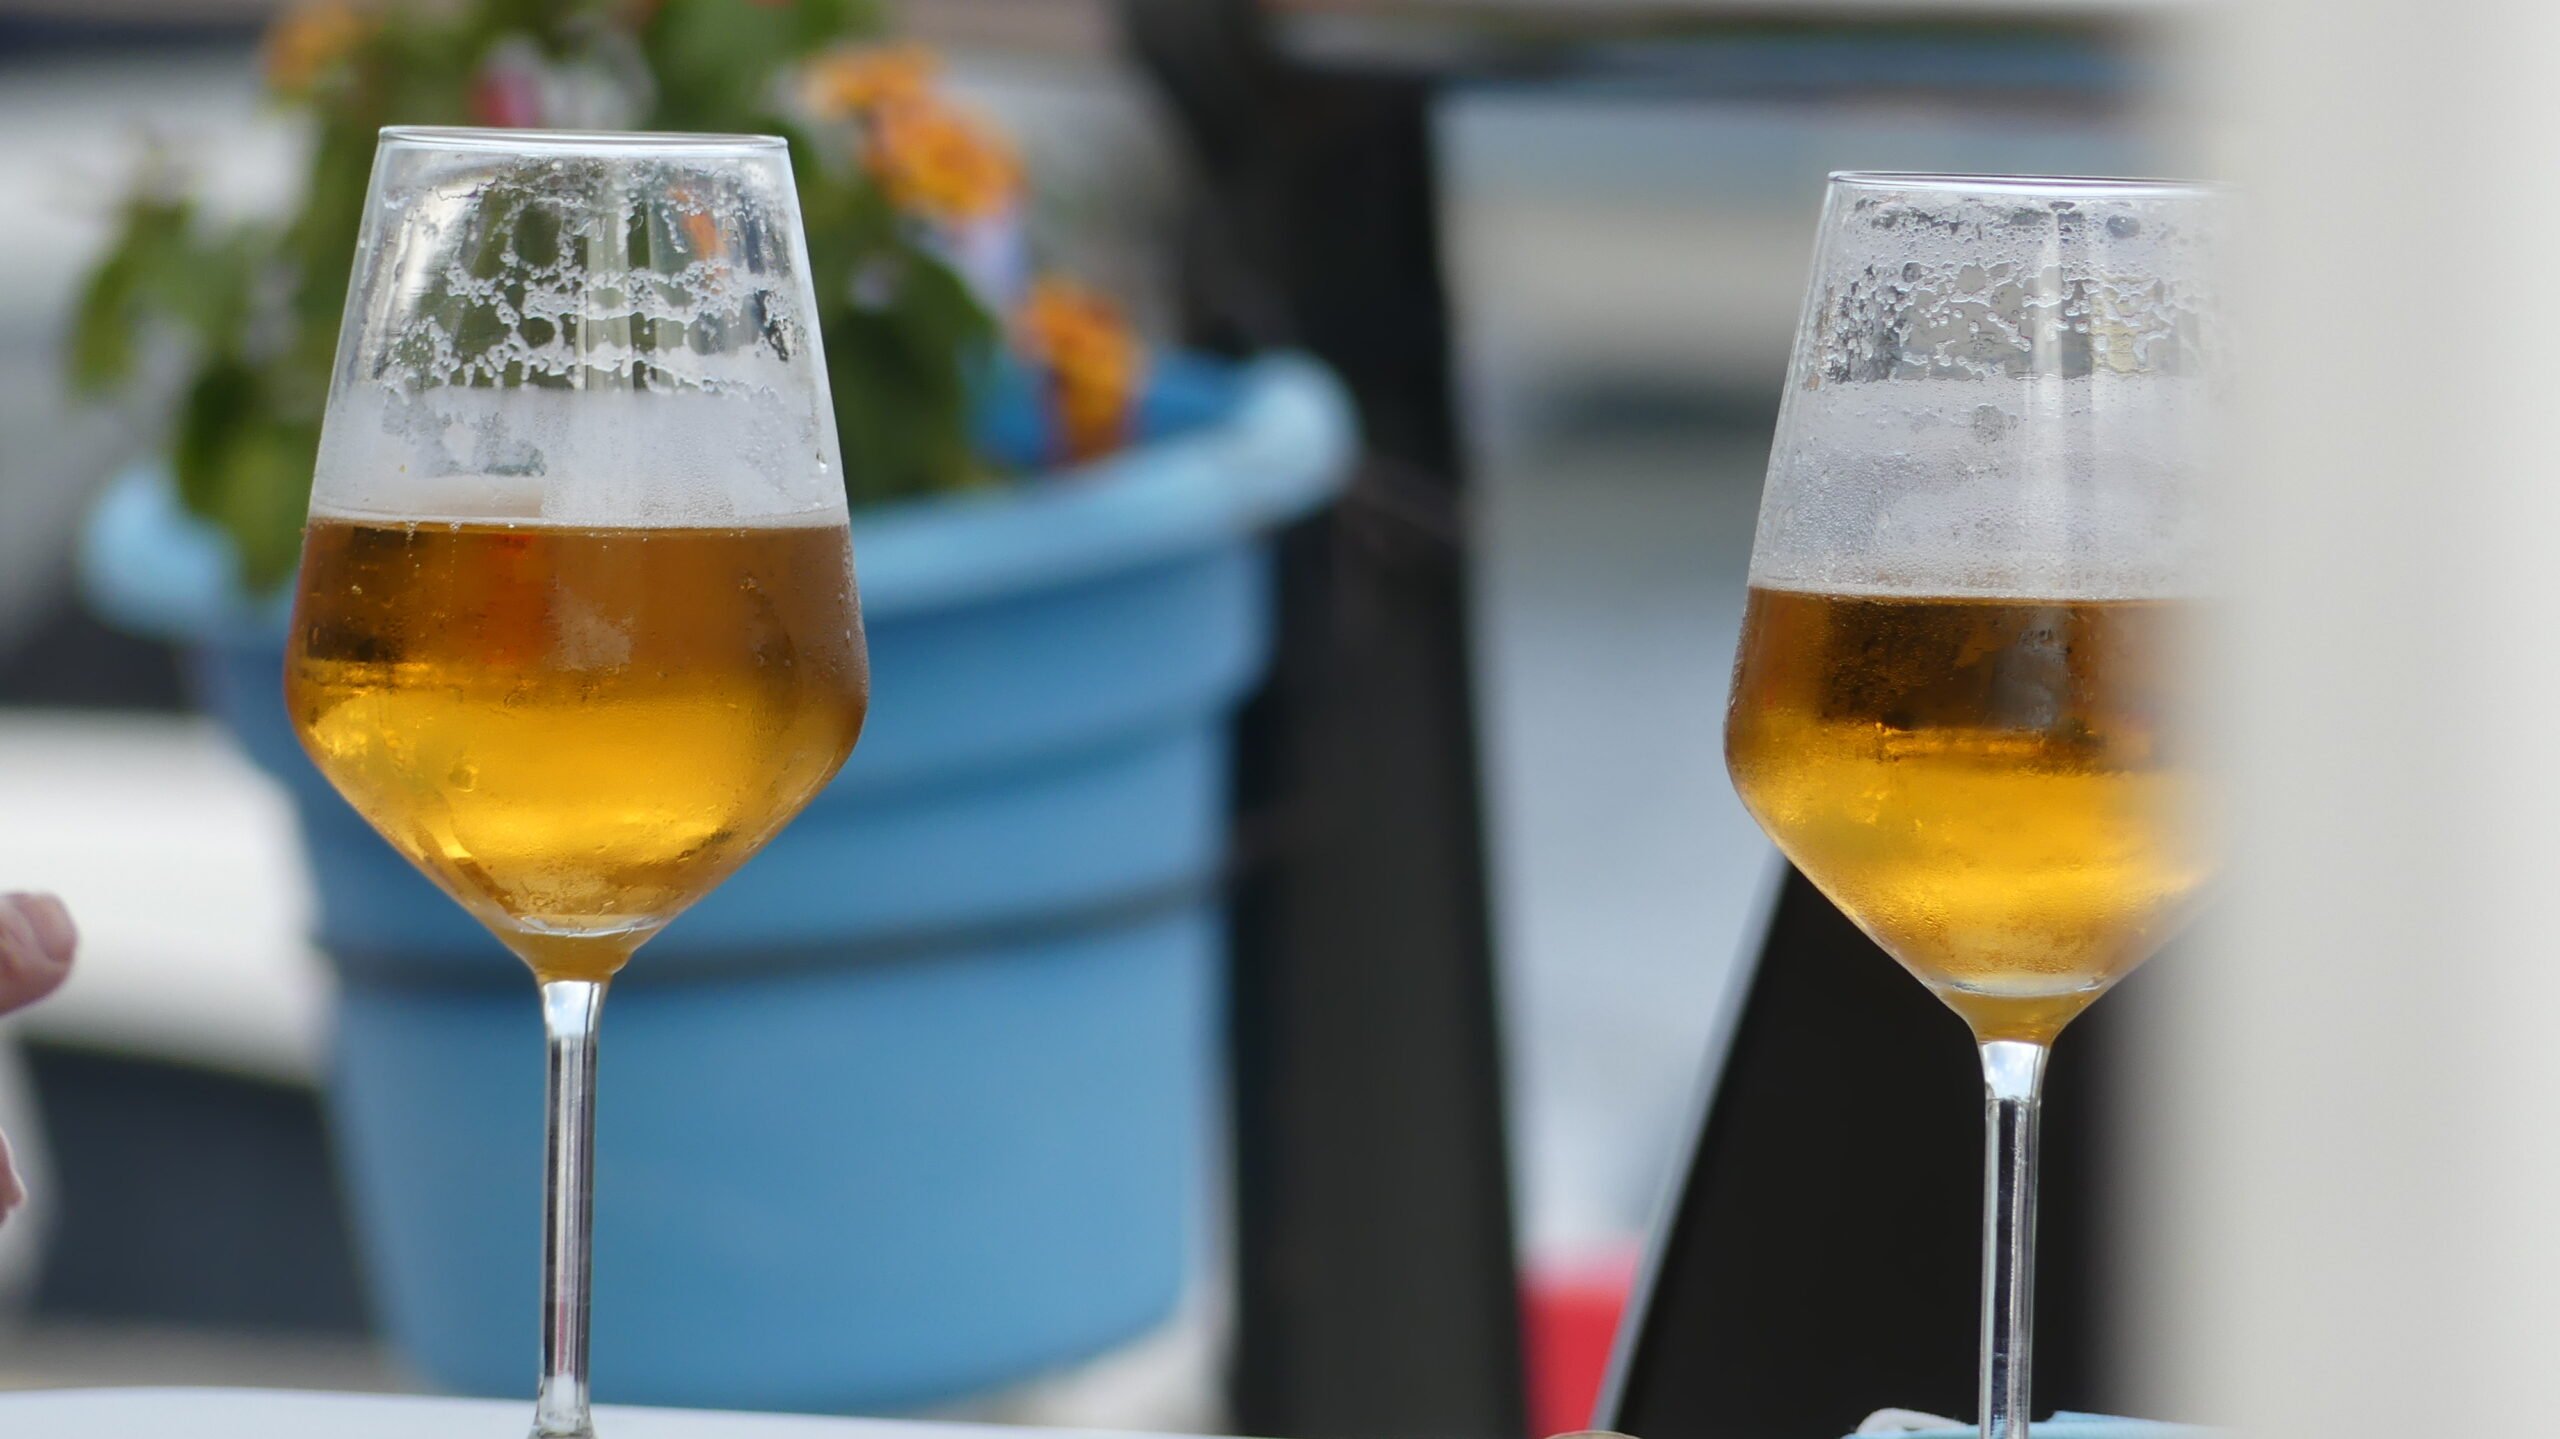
581	331
1999	396
2062	489
673	459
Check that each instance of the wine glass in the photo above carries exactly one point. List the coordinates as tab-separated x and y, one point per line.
576	628
1956	706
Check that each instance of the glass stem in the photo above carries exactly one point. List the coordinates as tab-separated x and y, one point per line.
569	1011
2013	1083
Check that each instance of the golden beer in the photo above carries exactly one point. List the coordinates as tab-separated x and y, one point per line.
1993	789
576	732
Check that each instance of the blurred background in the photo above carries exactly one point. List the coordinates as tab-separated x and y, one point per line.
1596	216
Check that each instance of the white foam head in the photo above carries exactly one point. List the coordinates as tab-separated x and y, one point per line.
1999	388
581	330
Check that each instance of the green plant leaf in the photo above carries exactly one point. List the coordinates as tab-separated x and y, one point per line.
245	468
114	305
717	61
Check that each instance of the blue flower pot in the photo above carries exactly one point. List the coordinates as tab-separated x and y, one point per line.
916	1104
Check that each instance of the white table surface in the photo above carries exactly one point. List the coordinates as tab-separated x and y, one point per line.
280	1414
184	871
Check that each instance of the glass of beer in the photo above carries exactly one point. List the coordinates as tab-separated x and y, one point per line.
1957	705
576	628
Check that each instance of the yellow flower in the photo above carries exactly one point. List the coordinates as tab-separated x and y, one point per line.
858	80
308	40
940	162
1093	365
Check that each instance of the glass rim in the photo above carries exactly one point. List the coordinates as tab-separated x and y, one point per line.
482	139
2113	187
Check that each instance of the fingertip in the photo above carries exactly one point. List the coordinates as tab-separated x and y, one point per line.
35	948
53	924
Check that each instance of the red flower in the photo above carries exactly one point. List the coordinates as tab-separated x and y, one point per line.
507	97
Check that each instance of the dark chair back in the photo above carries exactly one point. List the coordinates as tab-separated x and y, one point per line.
1819	1255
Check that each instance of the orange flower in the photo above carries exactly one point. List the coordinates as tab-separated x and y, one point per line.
941	162
858	80
1092	363
703	233
309	40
